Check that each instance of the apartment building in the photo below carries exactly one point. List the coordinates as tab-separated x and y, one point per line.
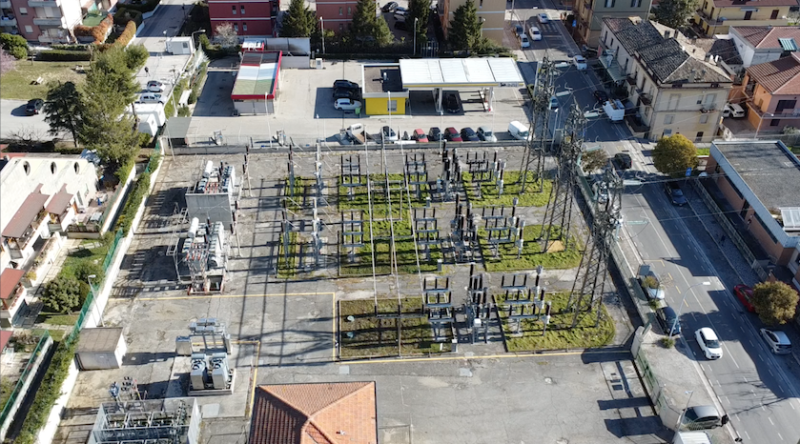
337	15
718	16
673	87
43	21
762	44
491	13
250	18
771	90
589	15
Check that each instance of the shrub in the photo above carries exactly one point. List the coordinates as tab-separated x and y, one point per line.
127	35
61	55
667	342
192	96
184	111
125	15
71	47
18	52
136	56
125	169
100	32
144	139
140	190
62	294
86	268
16	45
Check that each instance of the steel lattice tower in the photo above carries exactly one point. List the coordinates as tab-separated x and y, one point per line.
558	214
540	119
587	290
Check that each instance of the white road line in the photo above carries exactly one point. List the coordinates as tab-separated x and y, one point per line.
747	435
763	408
718	384
791	404
779	435
770	421
753	392
745	379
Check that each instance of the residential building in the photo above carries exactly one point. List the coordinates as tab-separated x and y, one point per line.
794	267
589	15
43	21
491	13
336	15
762	44
335	412
250	18
673	87
718	16
771	90
759	181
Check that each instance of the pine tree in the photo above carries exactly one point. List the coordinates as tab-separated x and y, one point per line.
298	21
368	26
420	11
465	28
63	109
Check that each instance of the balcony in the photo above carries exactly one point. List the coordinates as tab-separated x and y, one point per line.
5	4
631	81
708	19
645	98
44	3
44	38
785	114
8	22
710	108
52	22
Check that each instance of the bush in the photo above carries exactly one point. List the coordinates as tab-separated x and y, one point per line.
204	42
127	35
125	15
18	52
192	96
61	55
62	294
169	108
136	56
140	190
124	170
667	342
16	45
144	139
71	47
184	111
86	268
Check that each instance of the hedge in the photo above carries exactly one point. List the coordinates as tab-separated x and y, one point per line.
125	15
127	35
49	391
70	47
60	55
141	190
99	32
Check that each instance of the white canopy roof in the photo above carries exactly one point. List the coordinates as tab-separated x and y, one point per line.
433	73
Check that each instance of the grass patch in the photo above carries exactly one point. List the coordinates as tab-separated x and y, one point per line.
303	192
6	387
532	255
288	265
57	319
16	84
93	19
511	190
96	255
380	204
377	337
703	151
559	336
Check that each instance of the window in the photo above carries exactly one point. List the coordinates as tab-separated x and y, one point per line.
349	11
610	3
774	122
784	105
636	3
341	10
748	15
480	4
341	27
710	99
704	5
605	37
391	106
673	101
699	137
28	28
236	27
700	99
23	11
241	9
233	9
244	26
668	119
704	118
774	14
666	133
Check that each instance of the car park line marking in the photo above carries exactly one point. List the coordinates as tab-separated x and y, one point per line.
764	409
754	394
745	379
790	404
718	384
747	434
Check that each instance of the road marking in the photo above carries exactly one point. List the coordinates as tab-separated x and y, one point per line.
753	392
761	357
764	409
791	404
748	435
718	384
779	435
745	379
770	421
770	373
727	401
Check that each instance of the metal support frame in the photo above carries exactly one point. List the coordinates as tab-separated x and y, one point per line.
438	300
463	232
416	173
426	230
478	306
352	232
351	174
533	163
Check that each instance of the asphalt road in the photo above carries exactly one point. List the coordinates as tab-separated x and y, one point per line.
13	120
757	389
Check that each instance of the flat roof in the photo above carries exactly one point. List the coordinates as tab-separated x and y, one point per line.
770	171
374	81
104	339
9	280
258	76
428	73
25	215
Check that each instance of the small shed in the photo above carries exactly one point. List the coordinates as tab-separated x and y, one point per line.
176	130
101	348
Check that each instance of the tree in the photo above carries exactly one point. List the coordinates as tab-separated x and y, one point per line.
298	21
16	45
62	294
227	35
368	26
465	28
675	13
419	10
593	160
7	61
775	302
674	154
63	109
136	56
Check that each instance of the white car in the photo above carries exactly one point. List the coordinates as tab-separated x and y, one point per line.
543	18
155	86
709	343
347	104
535	33
150	98
580	63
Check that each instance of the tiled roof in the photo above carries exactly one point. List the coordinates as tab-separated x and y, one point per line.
9	280
780	76
326	413
60	201
767	36
5	336
634	36
25	215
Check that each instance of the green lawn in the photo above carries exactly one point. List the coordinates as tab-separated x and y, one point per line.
6	387
56	318
16	84
380	204
511	189
96	255
532	255
559	335
377	337
304	191
703	151
94	18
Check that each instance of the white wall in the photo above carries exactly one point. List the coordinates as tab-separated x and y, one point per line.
71	9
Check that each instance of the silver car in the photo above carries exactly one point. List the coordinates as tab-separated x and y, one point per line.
777	341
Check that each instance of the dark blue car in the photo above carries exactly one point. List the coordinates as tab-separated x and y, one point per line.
468	135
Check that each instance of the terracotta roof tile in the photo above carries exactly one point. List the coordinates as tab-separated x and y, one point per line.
767	36
9	280
327	413
781	76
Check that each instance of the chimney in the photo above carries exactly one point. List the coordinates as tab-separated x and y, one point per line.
666	34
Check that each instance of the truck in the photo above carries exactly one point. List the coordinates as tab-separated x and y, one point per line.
614	109
356	132
691	438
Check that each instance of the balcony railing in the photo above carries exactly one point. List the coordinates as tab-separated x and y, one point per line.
44	3
5	4
645	98
8	21
786	114
708	19
50	21
631	81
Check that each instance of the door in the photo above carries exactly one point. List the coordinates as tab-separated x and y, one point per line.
748	15
774	14
745	209
784	105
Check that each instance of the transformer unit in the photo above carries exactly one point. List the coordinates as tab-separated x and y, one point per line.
199	372
220	374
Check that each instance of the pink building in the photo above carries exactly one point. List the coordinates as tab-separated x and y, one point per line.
336	15
43	21
251	18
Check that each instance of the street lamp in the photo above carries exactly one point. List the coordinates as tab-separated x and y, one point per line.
199	30
683	302
322	33
415	35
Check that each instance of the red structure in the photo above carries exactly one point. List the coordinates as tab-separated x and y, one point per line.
336	15
248	17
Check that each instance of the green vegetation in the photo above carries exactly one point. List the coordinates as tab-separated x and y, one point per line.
558	336
380	204
667	342
18	83
511	189
369	26
303	192
377	337
674	154
703	151
6	387
16	45
140	190
288	265
775	302
532	255
56	319
299	20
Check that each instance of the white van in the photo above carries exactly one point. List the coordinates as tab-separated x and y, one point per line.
519	131
733	110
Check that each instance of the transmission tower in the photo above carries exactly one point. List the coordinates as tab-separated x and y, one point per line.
558	214
587	290
540	119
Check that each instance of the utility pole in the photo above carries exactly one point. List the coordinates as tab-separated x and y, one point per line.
540	119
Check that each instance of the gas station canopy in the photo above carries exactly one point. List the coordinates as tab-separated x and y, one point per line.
460	73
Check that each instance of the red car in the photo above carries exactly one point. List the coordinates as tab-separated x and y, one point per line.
452	135
745	293
419	136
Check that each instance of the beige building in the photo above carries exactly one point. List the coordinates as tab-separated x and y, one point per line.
673	87
717	16
589	15
492	13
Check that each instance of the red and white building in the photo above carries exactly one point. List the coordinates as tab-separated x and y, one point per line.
251	18
336	15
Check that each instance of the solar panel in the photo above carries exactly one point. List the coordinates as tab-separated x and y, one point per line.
788	44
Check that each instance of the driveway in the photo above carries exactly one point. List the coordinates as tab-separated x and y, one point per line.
13	120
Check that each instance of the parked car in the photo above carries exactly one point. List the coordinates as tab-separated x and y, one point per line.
346	84
554	102
580	63
668	320
151	98
347	104
451	103
400	13
623	161
34	106
389	134
709	343
155	86
419	136
400	25
435	134
390	7
733	110
777	341
468	135
523	41
543	18
535	33
345	93
486	134
745	295
519	131
601	96
452	135
675	194
519	30
702	417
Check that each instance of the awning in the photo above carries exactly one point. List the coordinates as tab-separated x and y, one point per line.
8	282
5	336
453	73
788	44
60	201
25	215
258	76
